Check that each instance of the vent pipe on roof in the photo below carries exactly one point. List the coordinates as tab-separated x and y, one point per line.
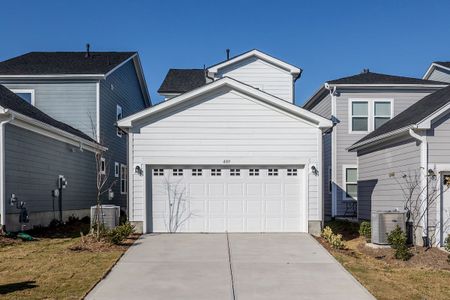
365	71
88	52
228	54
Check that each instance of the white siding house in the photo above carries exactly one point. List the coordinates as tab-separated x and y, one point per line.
240	160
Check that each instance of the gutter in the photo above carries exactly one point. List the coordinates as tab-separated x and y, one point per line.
2	168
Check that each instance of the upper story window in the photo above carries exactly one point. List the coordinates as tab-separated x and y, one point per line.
119	116
27	95
367	115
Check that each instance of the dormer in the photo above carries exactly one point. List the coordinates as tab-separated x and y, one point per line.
254	68
439	71
261	71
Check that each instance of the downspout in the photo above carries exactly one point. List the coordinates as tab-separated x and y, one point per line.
424	186
2	169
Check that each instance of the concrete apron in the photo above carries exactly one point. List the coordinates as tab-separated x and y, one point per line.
240	266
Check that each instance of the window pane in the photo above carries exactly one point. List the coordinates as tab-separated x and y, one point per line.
382	109
25	96
359	124
352	191
380	121
360	108
351	175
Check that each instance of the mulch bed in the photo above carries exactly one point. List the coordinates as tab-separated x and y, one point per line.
89	243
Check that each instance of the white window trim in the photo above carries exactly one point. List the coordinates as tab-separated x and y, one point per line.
126	181
118	132
344	181
31	91
116	169
370	112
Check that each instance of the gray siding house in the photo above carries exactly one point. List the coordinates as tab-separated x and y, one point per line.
358	105
414	143
89	91
439	71
35	150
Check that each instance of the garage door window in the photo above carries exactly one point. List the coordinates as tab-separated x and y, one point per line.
273	172
291	172
177	172
253	172
197	172
216	172
158	172
235	172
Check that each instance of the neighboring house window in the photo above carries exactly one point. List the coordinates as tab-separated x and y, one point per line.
360	116
351	183
27	95
382	113
366	115
116	169
102	166
119	116
123	179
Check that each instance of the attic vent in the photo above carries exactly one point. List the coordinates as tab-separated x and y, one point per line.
228	54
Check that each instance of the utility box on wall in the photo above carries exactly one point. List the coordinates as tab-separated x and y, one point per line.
383	222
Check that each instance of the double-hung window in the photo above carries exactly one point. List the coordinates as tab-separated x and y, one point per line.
351	183
360	116
27	95
119	115
367	115
381	113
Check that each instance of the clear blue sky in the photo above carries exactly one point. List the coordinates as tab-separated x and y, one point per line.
327	39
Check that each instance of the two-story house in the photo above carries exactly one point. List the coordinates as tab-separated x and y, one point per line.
358	105
227	151
88	91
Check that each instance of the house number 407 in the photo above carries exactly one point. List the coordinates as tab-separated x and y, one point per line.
226	161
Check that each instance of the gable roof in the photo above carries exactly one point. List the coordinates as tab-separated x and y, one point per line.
295	71
371	78
11	101
411	117
236	86
182	80
441	64
53	63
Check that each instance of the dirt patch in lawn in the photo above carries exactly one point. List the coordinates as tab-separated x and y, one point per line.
47	268
425	276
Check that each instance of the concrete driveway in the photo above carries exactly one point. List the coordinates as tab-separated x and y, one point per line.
234	266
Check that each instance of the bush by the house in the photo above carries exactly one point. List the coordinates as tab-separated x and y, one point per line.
120	233
365	230
397	238
335	240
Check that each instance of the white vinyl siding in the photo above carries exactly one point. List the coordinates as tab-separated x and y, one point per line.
229	128
262	75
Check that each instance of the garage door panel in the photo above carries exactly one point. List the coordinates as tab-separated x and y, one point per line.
238	200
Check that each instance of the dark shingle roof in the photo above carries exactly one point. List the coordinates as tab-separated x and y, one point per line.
414	114
57	63
443	63
182	80
376	78
9	100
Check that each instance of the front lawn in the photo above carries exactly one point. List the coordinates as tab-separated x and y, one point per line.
52	267
425	276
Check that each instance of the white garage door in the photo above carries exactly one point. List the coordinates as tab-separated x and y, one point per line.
235	200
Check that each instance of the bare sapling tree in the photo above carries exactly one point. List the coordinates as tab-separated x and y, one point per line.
103	182
421	190
177	205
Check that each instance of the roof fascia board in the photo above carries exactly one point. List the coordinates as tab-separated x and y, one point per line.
432	67
388	85
427	122
378	139
234	84
292	69
321	93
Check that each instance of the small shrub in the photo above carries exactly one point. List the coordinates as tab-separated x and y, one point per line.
335	240
365	230
85	220
55	223
397	238
123	219
120	233
72	220
447	243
